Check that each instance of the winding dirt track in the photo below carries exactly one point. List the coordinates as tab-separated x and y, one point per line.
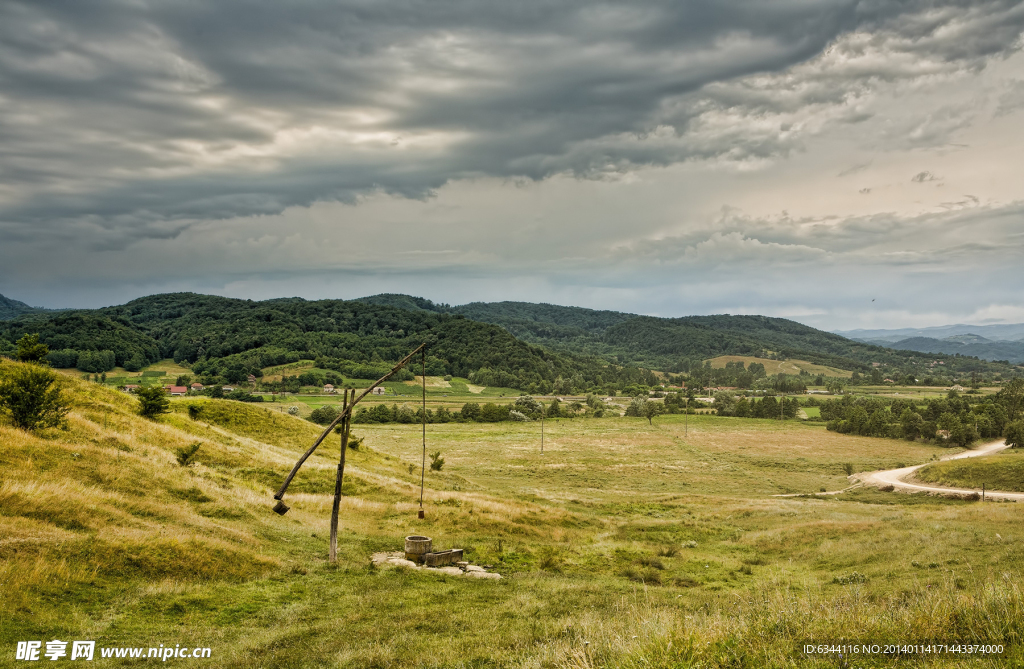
894	477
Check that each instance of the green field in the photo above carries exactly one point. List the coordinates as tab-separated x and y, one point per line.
1003	471
622	545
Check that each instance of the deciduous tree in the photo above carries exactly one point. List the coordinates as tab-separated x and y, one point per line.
32	396
153	401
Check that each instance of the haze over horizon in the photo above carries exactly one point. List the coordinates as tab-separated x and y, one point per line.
846	164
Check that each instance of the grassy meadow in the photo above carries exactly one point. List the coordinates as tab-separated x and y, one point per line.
623	545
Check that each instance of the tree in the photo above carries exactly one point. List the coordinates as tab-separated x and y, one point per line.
1012	396
30	350
153	401
470	411
528	406
32	396
133	364
912	424
835	386
1015	434
325	415
555	409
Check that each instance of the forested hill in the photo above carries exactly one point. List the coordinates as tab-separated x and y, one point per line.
521	345
678	344
225	337
13	308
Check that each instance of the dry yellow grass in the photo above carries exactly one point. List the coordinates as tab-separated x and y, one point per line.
781	366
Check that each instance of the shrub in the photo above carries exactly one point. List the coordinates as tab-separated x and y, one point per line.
850	579
324	415
153	401
186	453
32	395
293	411
436	461
550	559
194	410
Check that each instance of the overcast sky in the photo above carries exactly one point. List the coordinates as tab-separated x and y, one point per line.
846	164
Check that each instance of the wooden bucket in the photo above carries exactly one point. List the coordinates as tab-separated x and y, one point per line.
416	547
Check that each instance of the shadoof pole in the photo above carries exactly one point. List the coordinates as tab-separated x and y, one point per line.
423	464
346	418
345	424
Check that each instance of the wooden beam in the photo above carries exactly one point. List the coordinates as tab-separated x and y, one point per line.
345	413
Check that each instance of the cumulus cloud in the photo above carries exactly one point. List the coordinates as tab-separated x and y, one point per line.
190	111
658	157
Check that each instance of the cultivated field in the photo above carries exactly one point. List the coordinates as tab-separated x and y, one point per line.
622	545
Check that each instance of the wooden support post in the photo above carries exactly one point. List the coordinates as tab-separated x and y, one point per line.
423	465
338	480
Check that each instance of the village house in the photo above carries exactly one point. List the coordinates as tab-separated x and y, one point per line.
197	387
379	391
177	390
132	387
328	388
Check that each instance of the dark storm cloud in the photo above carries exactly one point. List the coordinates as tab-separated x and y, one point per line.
121	114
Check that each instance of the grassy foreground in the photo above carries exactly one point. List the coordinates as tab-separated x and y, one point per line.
623	545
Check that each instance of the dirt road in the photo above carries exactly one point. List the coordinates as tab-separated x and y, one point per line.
894	477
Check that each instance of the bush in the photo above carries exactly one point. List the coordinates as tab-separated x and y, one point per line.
293	411
32	395
186	453
194	410
324	415
436	461
153	401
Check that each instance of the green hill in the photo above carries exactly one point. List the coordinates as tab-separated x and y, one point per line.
679	344
13	308
231	338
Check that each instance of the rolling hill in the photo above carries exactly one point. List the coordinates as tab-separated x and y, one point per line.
13	308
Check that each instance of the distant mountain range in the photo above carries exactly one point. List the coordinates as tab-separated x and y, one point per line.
988	342
1011	332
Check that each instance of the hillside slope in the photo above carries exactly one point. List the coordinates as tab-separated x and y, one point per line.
13	308
679	344
241	336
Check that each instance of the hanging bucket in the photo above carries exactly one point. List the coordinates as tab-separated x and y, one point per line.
280	508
